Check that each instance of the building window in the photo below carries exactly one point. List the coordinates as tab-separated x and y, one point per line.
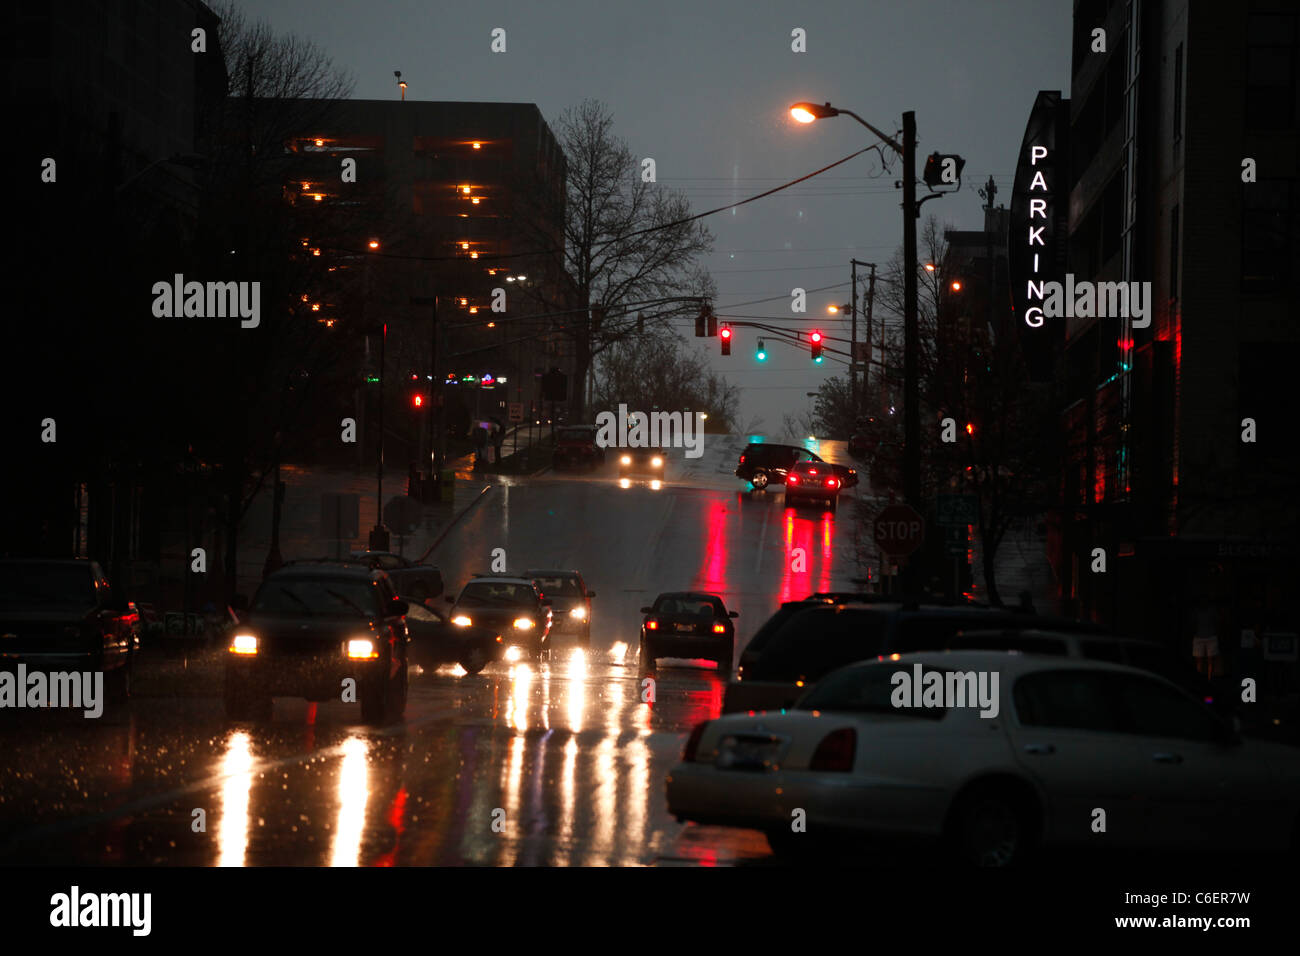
1178	94
1269	227
1272	75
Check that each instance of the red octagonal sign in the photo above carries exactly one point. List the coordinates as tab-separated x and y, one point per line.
899	530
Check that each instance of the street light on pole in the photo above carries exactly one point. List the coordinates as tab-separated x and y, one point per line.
807	113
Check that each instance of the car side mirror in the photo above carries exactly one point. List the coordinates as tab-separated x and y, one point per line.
645	610
734	614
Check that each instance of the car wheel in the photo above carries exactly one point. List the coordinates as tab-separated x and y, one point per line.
475	661
759	480
989	827
645	659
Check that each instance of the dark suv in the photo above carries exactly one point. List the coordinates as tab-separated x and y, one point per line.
313	624
62	615
764	463
514	607
780	663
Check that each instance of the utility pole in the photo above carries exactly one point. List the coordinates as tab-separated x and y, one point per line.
437	434
911	332
853	342
871	298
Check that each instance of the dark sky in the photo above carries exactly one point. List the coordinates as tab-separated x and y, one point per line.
704	88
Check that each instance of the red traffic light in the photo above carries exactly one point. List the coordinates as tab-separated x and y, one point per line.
816	336
417	400
725	333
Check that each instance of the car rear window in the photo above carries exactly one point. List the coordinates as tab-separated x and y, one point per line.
689	607
772	626
42	585
870	690
555	585
819	641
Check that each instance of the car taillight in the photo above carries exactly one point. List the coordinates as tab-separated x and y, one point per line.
742	459
719	629
831	482
693	742
792	479
652	625
835	752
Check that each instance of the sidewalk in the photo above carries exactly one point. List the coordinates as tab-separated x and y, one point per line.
302	534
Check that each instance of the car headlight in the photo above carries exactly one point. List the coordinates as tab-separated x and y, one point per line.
460	620
578	612
243	644
625	460
523	623
657	462
362	649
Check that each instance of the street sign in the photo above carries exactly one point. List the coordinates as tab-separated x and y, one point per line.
516	411
899	530
955	539
958	509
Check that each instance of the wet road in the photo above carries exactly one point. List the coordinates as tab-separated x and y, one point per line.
561	762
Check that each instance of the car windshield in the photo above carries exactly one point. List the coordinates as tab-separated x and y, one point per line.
324	596
496	594
53	585
559	586
871	690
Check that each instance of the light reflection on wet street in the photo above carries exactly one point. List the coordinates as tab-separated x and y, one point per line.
560	762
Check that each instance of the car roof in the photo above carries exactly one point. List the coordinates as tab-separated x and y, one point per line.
534	572
500	579
333	569
1055	634
689	594
1007	663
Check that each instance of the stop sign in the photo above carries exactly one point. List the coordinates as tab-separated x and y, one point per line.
899	530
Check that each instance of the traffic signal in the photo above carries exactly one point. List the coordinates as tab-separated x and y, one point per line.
815	338
761	354
943	169
417	400
725	335
700	321
713	323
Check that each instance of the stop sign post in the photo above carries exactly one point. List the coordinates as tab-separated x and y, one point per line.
899	530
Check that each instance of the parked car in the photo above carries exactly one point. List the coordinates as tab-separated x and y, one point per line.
311	625
512	606
413	581
1070	735
764	463
570	602
688	624
62	615
575	447
822	637
435	640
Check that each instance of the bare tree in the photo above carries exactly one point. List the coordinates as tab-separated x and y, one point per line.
658	372
627	246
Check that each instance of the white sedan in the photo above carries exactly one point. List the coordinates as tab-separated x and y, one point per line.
996	754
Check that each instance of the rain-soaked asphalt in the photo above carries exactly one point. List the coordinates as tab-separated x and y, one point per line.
557	763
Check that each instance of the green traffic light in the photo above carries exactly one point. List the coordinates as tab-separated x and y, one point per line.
818	360
761	354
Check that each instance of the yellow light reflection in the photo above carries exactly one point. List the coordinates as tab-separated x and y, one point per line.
625	483
237	773
618	653
521	683
354	793
577	688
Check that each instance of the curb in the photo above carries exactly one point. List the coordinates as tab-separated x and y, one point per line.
452	523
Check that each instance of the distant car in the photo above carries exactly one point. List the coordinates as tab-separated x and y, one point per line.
812	481
570	602
313	624
641	461
62	615
413	582
575	447
819	638
688	624
512	606
435	640
765	463
1069	735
